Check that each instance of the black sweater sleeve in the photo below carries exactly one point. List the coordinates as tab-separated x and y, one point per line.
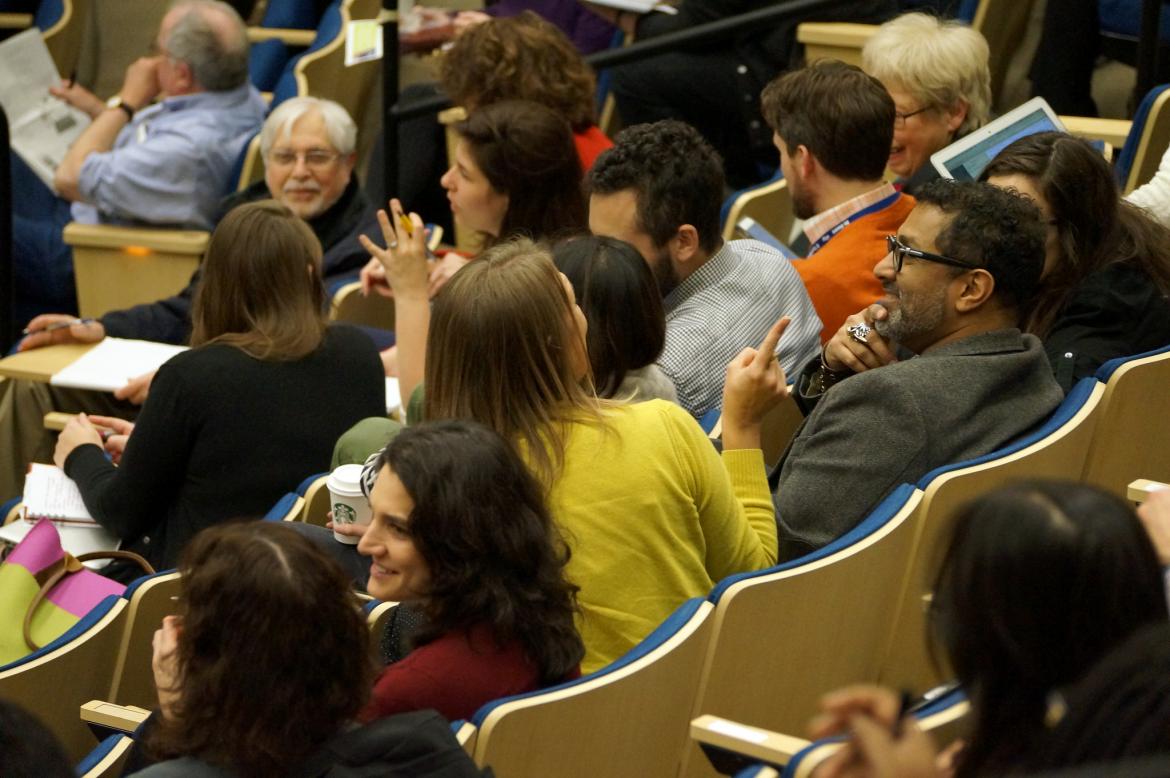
164	321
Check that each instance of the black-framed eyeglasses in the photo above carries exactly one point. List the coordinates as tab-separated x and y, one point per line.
900	118
899	251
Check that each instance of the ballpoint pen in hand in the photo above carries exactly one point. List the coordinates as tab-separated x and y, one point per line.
60	325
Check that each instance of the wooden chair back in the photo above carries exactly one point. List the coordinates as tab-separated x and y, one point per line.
1152	144
787	635
351	306
323	73
63	38
770	204
148	600
317	502
55	681
1057	449
1133	436
1002	23
107	759
777	429
628	719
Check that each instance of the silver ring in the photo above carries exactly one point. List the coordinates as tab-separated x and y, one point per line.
860	332
393	245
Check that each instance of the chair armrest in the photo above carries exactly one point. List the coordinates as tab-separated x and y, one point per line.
286	35
1112	131
56	420
1140	489
835	40
12	21
771	747
124	718
135	240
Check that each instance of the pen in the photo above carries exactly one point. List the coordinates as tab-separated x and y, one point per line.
407	225
60	325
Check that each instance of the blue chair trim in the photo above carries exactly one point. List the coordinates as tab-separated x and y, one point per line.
794	763
138	582
97	754
948	700
1106	371
328	29
1133	140
1072	404
305	484
369	606
877	518
457	725
709	419
283	506
648	644
7	506
80	628
48	13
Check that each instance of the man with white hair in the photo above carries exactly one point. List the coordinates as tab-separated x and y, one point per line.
166	163
308	147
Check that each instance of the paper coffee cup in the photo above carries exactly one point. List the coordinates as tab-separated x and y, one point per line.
349	505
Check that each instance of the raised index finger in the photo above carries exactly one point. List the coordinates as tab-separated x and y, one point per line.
768	348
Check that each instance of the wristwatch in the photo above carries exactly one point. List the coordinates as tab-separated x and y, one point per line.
117	102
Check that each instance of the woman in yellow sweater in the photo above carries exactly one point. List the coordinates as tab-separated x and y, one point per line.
652	513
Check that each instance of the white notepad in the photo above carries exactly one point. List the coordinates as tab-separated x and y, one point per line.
50	494
113	362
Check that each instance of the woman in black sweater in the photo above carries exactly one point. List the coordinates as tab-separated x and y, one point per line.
254	407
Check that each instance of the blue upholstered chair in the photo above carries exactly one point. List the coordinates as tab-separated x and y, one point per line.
787	634
107	758
627	719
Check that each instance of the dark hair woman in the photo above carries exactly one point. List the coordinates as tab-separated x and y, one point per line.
224	430
623	308
1106	276
460	530
268	658
1040	581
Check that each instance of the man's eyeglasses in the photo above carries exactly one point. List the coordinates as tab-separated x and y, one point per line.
317	159
900	118
899	251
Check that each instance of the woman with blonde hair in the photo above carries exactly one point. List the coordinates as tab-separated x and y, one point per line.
227	427
650	512
937	72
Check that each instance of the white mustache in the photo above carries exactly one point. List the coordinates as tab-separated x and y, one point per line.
309	185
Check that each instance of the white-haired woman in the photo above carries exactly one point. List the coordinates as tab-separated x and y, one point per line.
936	70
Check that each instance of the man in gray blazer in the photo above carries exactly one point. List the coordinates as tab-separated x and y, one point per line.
959	273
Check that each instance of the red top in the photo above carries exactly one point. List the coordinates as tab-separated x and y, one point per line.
454	674
590	144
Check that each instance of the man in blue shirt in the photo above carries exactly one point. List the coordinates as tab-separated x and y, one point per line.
164	164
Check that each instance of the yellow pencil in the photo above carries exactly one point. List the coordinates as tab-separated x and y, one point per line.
407	225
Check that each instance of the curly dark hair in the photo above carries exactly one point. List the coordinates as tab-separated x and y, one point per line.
526	152
676	175
1095	227
836	111
274	654
997	229
520	58
621	302
494	554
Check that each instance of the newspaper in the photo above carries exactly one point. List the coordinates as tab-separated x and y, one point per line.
41	127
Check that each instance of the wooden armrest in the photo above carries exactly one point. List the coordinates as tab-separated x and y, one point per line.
124	718
453	115
1112	131
15	21
762	744
1140	489
136	239
56	420
845	34
286	35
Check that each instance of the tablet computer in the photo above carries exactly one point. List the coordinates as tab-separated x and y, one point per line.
965	159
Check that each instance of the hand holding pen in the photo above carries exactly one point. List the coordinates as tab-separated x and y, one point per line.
57	328
884	740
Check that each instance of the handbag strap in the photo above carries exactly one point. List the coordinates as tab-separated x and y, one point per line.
66	566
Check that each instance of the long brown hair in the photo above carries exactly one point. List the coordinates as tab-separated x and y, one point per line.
501	351
261	290
273	655
1096	227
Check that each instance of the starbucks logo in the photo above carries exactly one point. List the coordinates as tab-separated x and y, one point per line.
343	514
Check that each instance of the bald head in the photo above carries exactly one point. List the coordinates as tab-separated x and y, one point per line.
209	37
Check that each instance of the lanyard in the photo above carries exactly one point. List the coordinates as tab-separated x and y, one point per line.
885	202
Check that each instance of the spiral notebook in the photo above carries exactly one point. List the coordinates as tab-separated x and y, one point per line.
50	494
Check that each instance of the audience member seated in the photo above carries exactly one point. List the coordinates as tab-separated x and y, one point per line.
249	411
1040	583
308	145
1106	276
623	310
714	85
166	164
937	72
460	530
266	667
27	748
651	514
514	173
659	189
521	57
587	31
959	273
832	125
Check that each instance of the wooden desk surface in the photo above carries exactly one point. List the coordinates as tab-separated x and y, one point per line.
41	364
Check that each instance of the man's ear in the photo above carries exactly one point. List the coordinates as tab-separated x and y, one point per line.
804	161
685	244
975	288
186	76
